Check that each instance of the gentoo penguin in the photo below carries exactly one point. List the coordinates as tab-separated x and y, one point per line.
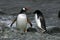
22	20
59	14
40	21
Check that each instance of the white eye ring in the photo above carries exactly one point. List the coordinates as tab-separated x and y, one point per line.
23	8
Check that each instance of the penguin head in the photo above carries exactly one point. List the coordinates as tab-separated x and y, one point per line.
38	12
23	10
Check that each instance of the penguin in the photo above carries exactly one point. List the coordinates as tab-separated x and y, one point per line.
59	14
40	21
22	20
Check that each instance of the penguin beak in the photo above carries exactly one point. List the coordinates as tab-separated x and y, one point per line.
27	8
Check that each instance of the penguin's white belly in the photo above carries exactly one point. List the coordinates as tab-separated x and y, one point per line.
21	22
38	21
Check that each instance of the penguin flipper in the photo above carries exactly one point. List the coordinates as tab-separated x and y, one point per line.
13	22
29	22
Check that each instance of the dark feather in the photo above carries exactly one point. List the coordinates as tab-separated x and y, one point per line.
43	22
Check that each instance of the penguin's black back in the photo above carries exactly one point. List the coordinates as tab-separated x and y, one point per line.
42	20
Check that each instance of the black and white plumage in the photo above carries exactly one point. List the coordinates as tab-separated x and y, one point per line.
21	20
40	21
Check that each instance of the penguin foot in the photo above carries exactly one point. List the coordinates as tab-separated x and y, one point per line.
25	30
43	31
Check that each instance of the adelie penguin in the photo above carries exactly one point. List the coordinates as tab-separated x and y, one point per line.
40	21
22	20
